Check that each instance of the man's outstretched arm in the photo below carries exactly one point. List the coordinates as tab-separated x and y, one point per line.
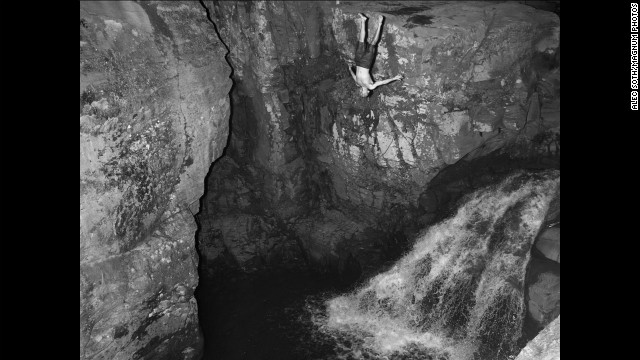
385	82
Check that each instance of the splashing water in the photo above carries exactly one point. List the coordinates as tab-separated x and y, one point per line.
458	294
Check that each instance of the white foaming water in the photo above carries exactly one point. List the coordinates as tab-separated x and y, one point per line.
459	291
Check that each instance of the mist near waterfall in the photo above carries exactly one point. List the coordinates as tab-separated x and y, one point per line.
458	294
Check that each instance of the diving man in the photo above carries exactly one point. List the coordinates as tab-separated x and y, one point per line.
365	54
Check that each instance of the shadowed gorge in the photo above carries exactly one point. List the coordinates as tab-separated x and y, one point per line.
239	199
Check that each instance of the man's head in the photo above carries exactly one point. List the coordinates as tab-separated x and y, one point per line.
364	92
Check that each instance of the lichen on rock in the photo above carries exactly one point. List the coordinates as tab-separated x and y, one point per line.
154	114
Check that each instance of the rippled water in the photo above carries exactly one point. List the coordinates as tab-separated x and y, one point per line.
457	295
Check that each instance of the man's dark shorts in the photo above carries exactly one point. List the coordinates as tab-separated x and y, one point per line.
365	54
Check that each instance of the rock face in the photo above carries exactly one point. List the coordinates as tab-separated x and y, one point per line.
544	298
545	346
343	174
549	243
154	111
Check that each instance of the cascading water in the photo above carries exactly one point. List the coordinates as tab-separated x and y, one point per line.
458	294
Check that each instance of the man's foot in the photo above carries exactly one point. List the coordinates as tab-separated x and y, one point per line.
362	17
380	18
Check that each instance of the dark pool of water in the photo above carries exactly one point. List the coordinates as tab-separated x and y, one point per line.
265	316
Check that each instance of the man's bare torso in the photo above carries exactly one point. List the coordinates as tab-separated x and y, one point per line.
363	77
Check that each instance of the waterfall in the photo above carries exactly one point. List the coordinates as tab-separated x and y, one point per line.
459	293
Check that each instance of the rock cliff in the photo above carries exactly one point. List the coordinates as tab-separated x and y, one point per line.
344	174
154	109
313	175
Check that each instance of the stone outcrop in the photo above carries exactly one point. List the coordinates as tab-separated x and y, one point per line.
549	243
154	109
545	346
480	77
544	298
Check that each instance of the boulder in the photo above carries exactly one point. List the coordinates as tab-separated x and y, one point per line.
154	109
545	346
544	298
549	243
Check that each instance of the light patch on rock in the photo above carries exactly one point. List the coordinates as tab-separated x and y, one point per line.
482	127
266	49
392	100
452	122
383	53
334	130
175	8
481	73
354	151
421	82
405	147
188	352
549	244
90	147
424	147
386	142
402	38
275	132
422	109
101	104
413	90
113	28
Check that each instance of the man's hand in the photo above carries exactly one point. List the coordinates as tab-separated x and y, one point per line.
399	77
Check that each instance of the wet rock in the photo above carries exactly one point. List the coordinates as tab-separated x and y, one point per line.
545	346
429	200
154	111
549	243
544	298
350	269
253	241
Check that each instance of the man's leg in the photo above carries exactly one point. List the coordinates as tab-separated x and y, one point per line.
377	38
363	28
